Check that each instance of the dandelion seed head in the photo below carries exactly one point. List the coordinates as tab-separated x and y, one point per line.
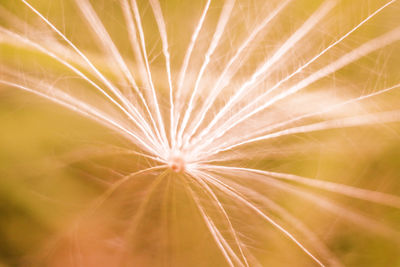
238	106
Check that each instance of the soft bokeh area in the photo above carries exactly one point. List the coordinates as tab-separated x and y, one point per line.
56	164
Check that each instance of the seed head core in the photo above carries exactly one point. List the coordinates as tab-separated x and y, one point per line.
177	163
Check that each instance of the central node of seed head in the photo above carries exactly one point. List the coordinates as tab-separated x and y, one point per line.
176	162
